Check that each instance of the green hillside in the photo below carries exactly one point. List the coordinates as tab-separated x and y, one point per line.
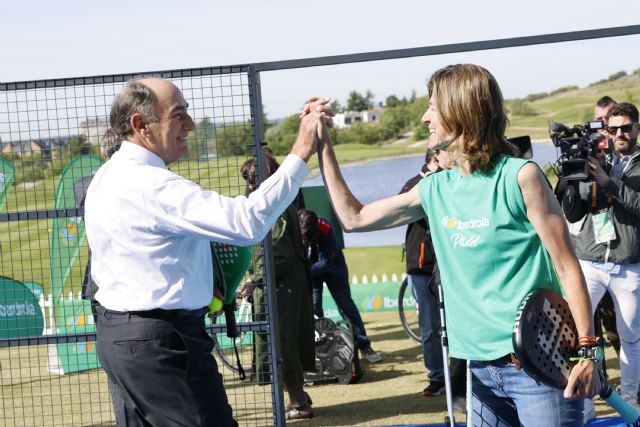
530	115
572	105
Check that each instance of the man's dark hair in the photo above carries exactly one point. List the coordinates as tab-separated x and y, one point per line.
604	101
134	98
248	169
624	109
246	172
309	225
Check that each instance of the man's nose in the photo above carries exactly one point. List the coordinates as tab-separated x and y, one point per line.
191	125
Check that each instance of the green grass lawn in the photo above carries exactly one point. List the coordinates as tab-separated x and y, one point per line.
389	393
374	260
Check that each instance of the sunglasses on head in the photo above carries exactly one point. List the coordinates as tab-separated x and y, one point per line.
624	128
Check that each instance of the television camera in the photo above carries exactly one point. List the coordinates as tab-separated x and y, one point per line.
576	144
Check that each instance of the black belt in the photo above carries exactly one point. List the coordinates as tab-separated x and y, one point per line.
158	313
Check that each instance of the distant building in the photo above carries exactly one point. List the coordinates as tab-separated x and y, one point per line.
349	118
93	129
48	148
24	148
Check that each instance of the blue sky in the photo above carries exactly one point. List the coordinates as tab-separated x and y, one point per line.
47	39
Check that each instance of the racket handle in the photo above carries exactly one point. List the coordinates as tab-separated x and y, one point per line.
230	320
613	399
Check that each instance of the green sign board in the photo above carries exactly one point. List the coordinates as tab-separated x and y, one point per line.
7	175
371	297
36	288
20	314
75	317
68	235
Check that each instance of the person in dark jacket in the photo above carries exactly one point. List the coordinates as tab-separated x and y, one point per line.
295	315
423	274
420	260
329	266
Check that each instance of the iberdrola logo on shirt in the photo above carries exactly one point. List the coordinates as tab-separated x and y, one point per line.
452	222
464	238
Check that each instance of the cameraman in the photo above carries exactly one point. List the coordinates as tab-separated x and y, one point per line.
603	105
607	238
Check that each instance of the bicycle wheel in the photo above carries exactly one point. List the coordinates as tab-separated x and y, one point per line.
224	346
408	311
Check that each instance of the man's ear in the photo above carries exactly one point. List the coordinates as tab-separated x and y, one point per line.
138	125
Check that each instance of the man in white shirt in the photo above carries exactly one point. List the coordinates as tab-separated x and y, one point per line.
149	230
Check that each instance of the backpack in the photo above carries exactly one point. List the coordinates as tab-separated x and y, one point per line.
417	241
419	249
336	354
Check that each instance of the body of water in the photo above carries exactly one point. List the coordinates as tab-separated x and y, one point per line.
383	178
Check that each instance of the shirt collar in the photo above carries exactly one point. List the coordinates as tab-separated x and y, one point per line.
617	159
137	152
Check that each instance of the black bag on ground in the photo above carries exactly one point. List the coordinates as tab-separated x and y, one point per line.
336	354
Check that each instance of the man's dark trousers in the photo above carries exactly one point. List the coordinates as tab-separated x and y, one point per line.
160	366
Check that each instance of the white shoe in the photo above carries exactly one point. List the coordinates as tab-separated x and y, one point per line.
589	410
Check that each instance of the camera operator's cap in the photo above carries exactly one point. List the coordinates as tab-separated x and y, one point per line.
442	146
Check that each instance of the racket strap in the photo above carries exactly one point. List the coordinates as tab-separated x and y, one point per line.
241	372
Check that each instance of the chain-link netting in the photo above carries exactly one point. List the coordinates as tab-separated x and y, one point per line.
51	135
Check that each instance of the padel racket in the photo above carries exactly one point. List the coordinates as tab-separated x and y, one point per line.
233	262
545	339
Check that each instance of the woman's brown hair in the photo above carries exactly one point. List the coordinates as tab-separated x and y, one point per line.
471	109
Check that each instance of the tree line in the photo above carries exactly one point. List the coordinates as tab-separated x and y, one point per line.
400	115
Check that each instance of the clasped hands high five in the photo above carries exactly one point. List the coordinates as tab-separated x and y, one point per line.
315	120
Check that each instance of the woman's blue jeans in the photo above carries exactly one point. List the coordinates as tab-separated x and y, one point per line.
504	396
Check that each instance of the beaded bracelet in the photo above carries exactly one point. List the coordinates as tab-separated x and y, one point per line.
587	341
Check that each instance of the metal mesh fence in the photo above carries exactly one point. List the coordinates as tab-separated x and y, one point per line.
50	136
51	133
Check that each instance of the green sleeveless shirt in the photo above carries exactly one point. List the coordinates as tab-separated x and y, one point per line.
490	256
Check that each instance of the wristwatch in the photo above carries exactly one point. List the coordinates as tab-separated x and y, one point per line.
593	352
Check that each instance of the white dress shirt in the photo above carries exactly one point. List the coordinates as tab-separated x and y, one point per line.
149	229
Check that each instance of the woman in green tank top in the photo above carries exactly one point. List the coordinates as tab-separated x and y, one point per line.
498	233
